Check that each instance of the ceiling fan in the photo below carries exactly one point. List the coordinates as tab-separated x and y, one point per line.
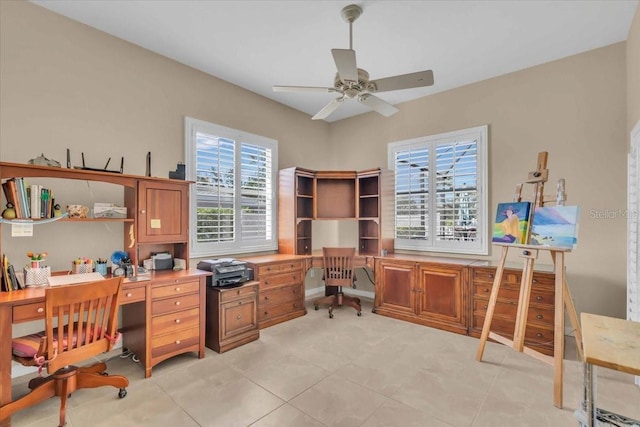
352	82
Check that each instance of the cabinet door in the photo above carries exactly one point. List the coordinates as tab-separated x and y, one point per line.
238	317
163	212
440	294
396	286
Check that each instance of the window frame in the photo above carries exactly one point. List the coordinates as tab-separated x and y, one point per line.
430	142
237	246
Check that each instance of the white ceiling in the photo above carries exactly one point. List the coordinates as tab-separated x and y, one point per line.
258	44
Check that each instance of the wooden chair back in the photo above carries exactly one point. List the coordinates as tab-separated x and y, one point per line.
80	321
338	266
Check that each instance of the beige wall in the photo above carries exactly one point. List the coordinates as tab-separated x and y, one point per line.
574	108
633	72
65	85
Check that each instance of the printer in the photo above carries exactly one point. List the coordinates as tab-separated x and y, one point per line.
226	271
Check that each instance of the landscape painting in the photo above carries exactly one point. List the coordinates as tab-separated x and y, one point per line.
555	226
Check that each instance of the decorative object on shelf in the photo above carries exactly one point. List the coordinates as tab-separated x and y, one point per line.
109	210
36	258
57	211
9	212
41	160
77	211
179	173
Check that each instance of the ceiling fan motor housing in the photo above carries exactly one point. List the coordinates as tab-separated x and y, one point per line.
351	89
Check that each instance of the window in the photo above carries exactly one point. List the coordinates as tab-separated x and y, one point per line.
440	192
233	199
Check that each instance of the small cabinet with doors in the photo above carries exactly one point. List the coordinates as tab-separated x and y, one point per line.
232	316
426	290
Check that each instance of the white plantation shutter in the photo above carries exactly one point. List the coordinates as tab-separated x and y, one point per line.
440	202
232	203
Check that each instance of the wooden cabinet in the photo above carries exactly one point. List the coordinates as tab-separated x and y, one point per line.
232	316
281	287
425	290
170	321
540	319
305	195
164	316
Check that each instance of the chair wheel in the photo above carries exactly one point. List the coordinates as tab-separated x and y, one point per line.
330	315
122	393
359	314
316	307
104	374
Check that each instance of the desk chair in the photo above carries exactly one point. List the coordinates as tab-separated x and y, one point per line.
92	310
338	272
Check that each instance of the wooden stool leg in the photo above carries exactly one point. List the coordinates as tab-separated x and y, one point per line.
493	298
573	317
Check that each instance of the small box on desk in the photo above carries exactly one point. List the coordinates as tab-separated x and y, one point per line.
81	268
36	276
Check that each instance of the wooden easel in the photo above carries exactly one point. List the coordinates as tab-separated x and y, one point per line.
562	294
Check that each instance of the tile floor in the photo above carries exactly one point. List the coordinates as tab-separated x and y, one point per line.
369	371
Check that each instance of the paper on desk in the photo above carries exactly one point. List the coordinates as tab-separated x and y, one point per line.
71	279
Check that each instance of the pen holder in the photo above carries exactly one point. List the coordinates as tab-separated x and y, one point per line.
36	276
81	268
101	267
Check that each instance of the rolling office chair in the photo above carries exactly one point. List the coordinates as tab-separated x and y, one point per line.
92	310
338	272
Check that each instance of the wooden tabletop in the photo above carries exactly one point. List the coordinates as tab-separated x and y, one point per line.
611	342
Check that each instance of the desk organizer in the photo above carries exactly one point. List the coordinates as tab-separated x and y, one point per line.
36	276
81	268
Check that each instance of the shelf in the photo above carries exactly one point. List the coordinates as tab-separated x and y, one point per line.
33	221
98	220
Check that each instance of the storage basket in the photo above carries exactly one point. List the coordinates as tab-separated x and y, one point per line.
36	276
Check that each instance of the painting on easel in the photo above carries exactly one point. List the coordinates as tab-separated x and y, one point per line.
512	222
555	226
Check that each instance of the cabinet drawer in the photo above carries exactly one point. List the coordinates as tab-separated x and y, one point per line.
175	304
280	295
238	317
282	267
132	295
538	296
508	310
505	328
265	313
175	321
26	312
171	342
488	275
235	293
173	289
280	279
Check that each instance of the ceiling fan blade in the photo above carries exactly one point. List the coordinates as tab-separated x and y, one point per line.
345	60
328	109
404	81
382	107
303	89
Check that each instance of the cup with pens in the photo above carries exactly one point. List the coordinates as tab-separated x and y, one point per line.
82	265
101	266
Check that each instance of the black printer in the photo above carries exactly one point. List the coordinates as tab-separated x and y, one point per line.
226	271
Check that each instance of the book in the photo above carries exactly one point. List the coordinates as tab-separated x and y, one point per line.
512	223
555	226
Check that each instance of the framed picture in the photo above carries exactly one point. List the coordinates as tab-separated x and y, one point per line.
512	223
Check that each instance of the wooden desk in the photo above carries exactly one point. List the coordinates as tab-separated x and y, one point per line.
611	343
143	302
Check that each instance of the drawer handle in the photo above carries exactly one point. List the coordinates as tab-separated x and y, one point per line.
266	312
538	335
238	317
266	282
539	317
294	277
486	306
129	295
295	305
238	292
486	289
266	298
534	281
177	281
177	289
177	320
40	310
177	302
177	341
268	268
539	298
239	302
491	276
295	291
